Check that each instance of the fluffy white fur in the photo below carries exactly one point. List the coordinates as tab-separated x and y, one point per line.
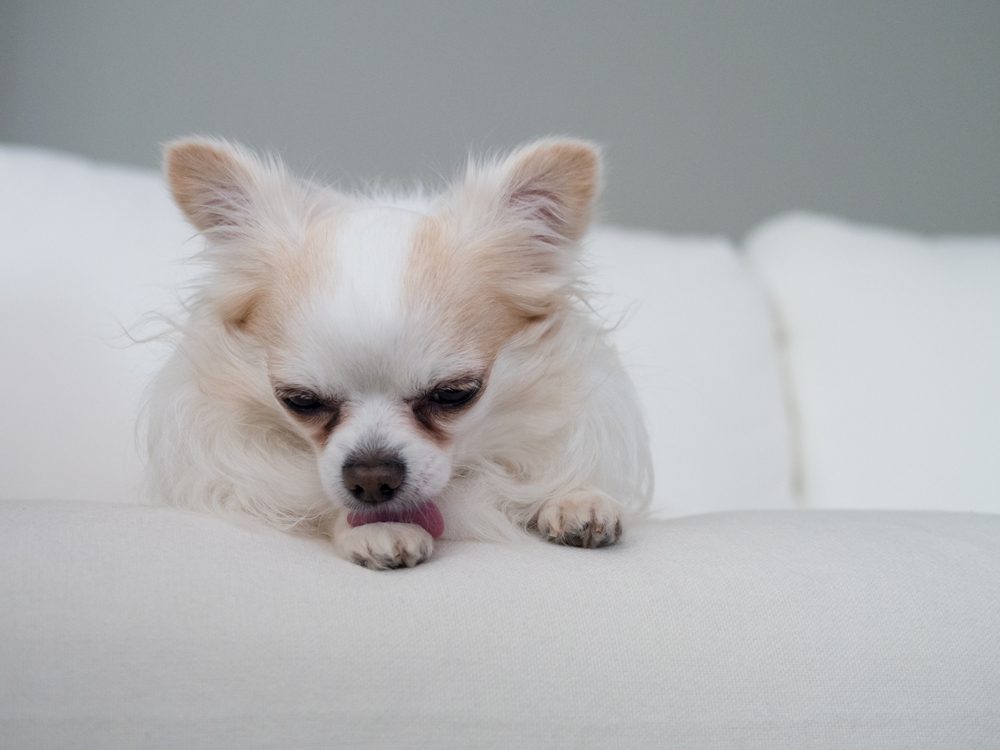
339	295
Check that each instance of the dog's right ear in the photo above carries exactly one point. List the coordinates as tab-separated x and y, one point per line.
224	188
252	212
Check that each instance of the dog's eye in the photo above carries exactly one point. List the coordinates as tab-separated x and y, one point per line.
302	402
454	395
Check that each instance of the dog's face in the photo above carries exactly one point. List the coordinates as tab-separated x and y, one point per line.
378	323
371	365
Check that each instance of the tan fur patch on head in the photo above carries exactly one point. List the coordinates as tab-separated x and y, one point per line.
465	288
499	253
301	269
266	231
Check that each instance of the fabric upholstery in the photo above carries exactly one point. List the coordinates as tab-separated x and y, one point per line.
137	627
88	250
892	345
695	333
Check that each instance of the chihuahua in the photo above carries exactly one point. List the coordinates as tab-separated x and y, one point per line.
385	370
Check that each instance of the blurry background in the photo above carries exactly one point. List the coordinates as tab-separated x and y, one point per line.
714	114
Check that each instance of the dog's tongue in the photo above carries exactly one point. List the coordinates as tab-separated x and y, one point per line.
427	515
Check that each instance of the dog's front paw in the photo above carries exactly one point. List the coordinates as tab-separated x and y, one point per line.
581	519
383	546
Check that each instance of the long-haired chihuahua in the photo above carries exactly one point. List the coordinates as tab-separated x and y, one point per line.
386	370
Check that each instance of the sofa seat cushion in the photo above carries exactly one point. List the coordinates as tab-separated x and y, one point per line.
128	626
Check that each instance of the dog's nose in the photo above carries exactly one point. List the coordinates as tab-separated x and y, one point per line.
373	477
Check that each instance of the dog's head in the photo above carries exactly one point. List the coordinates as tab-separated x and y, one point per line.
379	321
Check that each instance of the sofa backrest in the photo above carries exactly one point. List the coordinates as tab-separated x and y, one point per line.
87	249
697	338
892	348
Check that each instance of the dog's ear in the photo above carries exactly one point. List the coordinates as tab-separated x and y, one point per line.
224	189
553	184
516	221
249	208
548	187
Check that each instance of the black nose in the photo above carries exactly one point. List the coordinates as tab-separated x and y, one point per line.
373	477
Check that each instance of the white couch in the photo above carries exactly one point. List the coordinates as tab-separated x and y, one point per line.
823	366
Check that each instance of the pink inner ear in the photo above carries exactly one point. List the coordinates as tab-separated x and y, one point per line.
221	206
543	205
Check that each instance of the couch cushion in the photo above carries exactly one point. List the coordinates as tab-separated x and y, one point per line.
892	343
128	626
88	250
695	333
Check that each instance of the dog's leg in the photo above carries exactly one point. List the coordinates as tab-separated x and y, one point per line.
583	518
381	546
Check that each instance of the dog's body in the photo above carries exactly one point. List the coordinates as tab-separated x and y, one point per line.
387	371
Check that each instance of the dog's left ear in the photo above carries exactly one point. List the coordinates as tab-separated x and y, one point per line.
548	187
554	184
516	222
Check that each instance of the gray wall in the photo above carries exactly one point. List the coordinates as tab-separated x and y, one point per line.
714	114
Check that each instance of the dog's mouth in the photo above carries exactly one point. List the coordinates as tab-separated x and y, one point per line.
426	515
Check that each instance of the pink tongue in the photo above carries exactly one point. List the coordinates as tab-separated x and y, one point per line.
427	515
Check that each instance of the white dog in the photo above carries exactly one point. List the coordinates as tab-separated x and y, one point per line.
387	370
